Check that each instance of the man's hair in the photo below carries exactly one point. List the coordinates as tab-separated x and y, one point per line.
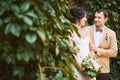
105	13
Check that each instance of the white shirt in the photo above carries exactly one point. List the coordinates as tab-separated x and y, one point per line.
98	36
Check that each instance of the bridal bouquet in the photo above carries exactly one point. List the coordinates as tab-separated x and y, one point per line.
90	67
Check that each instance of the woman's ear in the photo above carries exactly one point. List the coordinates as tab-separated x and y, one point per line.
78	22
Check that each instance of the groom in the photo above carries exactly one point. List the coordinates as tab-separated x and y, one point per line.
104	43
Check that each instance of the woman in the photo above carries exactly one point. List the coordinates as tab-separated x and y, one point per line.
83	42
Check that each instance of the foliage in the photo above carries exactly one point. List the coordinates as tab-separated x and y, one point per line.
113	22
33	40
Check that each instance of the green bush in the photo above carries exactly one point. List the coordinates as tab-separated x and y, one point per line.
33	40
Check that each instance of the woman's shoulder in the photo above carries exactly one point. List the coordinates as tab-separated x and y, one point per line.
86	30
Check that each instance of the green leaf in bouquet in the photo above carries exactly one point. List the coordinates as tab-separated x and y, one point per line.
93	74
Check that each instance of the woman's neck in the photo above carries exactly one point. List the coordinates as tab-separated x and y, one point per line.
81	31
80	28
79	25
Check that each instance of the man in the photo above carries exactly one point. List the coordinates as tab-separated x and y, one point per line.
105	43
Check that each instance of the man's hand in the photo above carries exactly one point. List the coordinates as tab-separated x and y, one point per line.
93	48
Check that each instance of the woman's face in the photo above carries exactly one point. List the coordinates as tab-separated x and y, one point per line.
83	21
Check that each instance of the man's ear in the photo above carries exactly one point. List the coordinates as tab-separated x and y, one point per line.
106	19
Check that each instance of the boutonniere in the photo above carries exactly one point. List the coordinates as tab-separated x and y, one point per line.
107	36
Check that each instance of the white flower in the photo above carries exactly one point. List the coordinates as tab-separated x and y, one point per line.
90	66
96	66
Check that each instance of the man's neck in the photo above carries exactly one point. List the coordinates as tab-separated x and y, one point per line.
99	26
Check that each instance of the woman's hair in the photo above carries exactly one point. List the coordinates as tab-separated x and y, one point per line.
77	13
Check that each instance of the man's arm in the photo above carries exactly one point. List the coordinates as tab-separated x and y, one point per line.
112	51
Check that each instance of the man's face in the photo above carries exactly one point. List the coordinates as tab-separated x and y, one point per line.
99	19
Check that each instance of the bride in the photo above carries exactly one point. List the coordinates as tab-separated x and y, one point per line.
83	43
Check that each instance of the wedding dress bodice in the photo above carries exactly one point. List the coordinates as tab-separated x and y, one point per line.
83	45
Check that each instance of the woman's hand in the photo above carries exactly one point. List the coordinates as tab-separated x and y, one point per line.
76	49
93	48
92	54
77	61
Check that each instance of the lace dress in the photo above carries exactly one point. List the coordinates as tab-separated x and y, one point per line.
83	45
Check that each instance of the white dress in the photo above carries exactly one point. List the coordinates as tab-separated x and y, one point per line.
83	45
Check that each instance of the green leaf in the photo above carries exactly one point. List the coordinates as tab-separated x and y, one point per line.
1	23
25	6
15	8
8	28
31	54
66	42
43	20
7	19
15	30
31	37
27	20
19	56
59	75
41	34
49	34
51	10
19	16
63	19
16	71
1	12
26	56
61	42
31	14
9	59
